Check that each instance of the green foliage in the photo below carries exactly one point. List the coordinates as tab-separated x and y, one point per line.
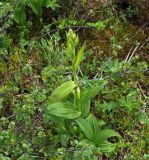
61	98
86	128
89	125
36	5
79	56
62	91
20	16
63	110
99	137
85	107
92	92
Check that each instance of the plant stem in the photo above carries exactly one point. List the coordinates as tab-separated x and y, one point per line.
76	90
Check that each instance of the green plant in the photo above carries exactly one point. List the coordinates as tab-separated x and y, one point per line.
107	91
81	106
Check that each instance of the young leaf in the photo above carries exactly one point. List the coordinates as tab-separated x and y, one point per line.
90	93
62	110
86	142
86	128
62	91
55	119
72	41
106	146
85	108
105	134
101	139
79	56
93	123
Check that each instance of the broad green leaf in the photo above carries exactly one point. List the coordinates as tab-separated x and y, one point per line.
93	123
53	118
79	56
101	139
86	128
85	108
106	146
20	16
63	110
105	134
101	122
85	142
90	93
62	91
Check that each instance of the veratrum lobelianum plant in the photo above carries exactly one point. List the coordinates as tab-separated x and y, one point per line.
79	111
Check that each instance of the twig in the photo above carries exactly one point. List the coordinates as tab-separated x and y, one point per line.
128	54
146	41
133	53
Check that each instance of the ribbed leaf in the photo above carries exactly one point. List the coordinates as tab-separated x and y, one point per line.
79	56
62	91
85	108
53	118
93	123
105	146
102	137
86	128
101	123
86	142
105	134
62	110
90	93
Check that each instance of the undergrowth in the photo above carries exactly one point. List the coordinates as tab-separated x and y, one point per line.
74	82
